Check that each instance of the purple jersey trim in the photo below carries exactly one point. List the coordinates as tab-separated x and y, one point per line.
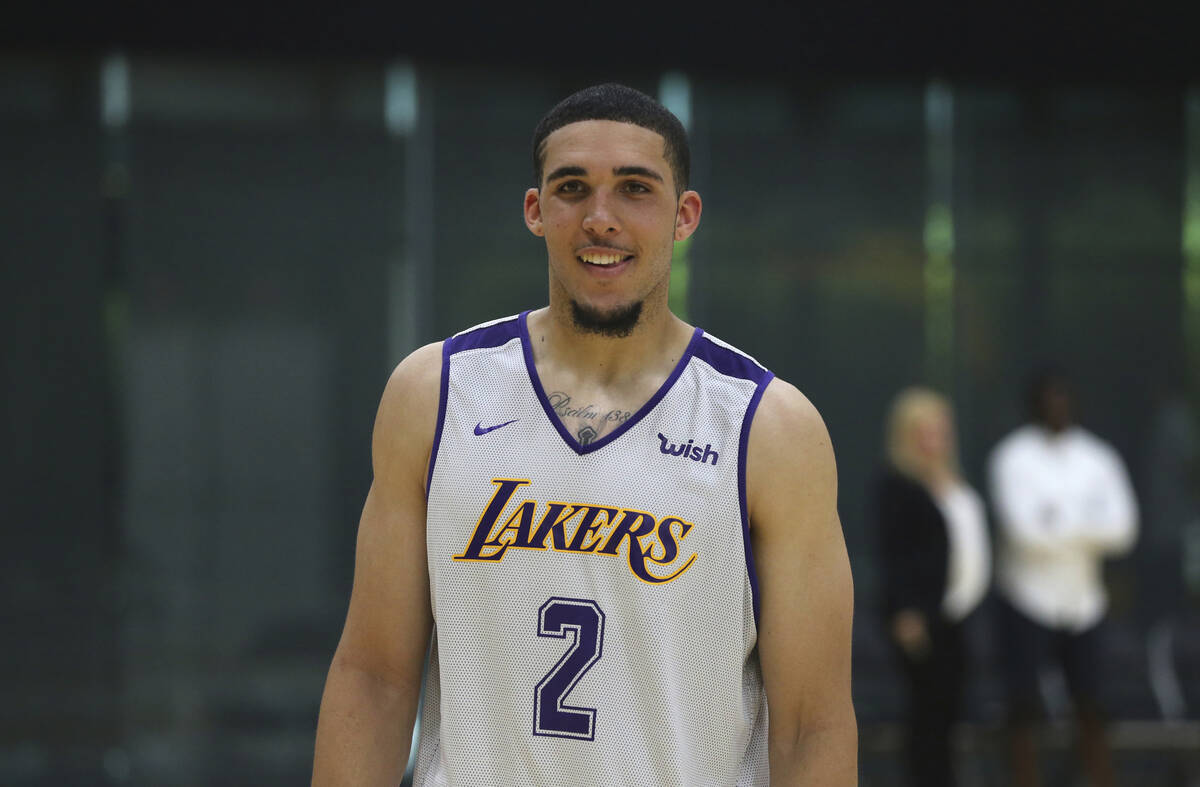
743	446
568	438
441	416
729	362
492	335
488	336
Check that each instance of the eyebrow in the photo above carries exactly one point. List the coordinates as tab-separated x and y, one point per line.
576	171
566	172
643	171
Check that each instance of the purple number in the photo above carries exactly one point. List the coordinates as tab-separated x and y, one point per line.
585	622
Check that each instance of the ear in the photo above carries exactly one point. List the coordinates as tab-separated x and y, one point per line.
533	212
687	215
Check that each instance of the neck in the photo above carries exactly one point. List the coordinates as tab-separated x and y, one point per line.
658	340
939	479
934	477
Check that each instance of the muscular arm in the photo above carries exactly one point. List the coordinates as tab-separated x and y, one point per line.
371	692
806	593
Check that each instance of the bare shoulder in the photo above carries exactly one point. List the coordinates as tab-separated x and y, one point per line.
419	371
407	414
786	412
790	450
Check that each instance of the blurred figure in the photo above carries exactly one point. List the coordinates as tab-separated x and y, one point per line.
936	571
1063	501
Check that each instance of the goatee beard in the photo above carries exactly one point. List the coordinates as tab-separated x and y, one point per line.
615	324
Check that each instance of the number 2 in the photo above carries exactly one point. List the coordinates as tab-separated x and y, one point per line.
585	621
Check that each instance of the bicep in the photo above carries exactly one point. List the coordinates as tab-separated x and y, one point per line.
1124	501
1114	520
389	619
806	608
805	585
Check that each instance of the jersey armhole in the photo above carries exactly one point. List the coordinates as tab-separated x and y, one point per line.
443	392
743	448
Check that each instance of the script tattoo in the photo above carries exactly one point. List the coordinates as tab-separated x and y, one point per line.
561	402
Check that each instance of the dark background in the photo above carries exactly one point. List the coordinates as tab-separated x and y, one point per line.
201	305
1036	42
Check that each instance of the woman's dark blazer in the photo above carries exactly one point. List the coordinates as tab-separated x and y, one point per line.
912	532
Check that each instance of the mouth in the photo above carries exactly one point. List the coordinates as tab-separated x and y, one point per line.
603	257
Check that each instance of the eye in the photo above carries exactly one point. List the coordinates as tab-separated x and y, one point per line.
570	187
636	187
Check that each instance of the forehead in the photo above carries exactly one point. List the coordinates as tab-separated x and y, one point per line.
605	144
925	411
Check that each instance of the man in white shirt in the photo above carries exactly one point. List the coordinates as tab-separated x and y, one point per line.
1063	502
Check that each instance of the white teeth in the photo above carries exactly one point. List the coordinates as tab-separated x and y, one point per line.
601	259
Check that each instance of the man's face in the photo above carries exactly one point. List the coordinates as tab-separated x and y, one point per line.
608	211
1056	407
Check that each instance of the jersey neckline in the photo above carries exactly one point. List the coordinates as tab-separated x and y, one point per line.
567	437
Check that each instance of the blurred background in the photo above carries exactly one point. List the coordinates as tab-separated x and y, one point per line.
224	225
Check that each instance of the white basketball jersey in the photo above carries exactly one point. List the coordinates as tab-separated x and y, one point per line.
595	605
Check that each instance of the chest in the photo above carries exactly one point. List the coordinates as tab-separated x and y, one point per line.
1064	473
513	487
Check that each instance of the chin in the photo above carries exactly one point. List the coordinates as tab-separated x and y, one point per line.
616	322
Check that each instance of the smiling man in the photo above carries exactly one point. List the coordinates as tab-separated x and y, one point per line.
616	534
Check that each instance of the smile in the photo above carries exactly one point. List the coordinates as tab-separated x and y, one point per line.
604	258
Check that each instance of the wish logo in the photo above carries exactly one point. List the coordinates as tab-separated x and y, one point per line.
688	450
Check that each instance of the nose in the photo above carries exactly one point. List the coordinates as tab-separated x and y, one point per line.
599	219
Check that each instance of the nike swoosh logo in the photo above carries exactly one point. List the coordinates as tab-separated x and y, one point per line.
481	429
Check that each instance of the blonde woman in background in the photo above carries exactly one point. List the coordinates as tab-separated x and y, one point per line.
936	567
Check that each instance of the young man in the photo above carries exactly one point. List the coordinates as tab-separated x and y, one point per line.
620	532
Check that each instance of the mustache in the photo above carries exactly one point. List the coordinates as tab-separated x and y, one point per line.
607	246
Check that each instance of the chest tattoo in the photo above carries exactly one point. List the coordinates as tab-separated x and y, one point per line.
587	422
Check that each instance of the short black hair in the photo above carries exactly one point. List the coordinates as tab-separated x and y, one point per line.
623	104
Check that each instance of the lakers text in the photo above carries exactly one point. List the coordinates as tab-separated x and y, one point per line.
652	543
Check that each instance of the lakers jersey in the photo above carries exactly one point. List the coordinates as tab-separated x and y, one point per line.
595	605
